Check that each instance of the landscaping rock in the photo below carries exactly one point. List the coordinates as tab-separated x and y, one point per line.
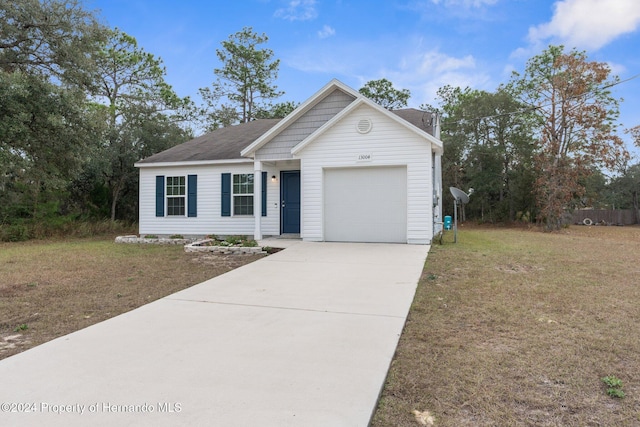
205	246
155	240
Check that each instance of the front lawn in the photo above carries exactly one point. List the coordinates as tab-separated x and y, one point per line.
51	288
516	327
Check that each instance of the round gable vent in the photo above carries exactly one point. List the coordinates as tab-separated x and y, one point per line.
364	125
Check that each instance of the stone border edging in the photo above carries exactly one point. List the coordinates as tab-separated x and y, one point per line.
196	247
155	240
192	245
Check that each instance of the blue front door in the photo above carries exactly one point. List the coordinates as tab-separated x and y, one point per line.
290	190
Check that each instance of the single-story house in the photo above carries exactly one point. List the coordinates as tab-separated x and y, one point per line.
338	168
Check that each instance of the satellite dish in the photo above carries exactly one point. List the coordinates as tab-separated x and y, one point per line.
459	195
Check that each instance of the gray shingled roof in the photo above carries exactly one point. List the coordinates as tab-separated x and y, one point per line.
227	143
418	118
222	144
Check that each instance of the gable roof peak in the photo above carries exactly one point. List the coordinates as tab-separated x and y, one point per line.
299	111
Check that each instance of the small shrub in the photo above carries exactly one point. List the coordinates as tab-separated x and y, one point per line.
176	236
150	236
21	328
614	386
233	240
249	243
615	392
15	233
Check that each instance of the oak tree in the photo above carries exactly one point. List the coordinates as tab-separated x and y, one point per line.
51	38
44	134
46	64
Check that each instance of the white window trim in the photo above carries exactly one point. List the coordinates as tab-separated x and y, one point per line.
234	195
167	196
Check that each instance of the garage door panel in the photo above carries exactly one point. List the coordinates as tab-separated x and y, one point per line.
365	204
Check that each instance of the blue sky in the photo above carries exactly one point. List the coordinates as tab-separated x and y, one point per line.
419	45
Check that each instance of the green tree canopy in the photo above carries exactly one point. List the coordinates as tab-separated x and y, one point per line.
245	82
141	109
623	190
44	132
79	105
488	147
277	111
51	38
382	92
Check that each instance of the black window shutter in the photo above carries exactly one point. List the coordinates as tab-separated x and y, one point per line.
264	194
159	195
226	194
192	192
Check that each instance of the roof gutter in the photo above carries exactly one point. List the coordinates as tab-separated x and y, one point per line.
192	163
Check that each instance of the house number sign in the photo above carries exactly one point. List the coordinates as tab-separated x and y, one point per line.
364	157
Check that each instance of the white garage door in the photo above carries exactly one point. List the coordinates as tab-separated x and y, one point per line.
366	204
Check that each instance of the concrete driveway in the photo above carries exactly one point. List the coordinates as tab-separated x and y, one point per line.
303	337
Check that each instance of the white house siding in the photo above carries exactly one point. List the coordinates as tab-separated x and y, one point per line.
209	219
279	148
389	144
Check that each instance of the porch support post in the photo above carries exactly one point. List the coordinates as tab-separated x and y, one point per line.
257	199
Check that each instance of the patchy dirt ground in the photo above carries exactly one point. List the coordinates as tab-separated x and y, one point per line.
52	288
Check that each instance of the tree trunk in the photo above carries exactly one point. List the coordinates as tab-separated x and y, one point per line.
115	195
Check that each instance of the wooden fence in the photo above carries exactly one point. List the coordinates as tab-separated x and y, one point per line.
606	216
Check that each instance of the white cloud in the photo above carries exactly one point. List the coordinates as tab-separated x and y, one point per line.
588	24
326	31
298	10
425	72
435	62
419	67
617	69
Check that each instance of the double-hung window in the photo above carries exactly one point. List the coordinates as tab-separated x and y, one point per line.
176	199
243	194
